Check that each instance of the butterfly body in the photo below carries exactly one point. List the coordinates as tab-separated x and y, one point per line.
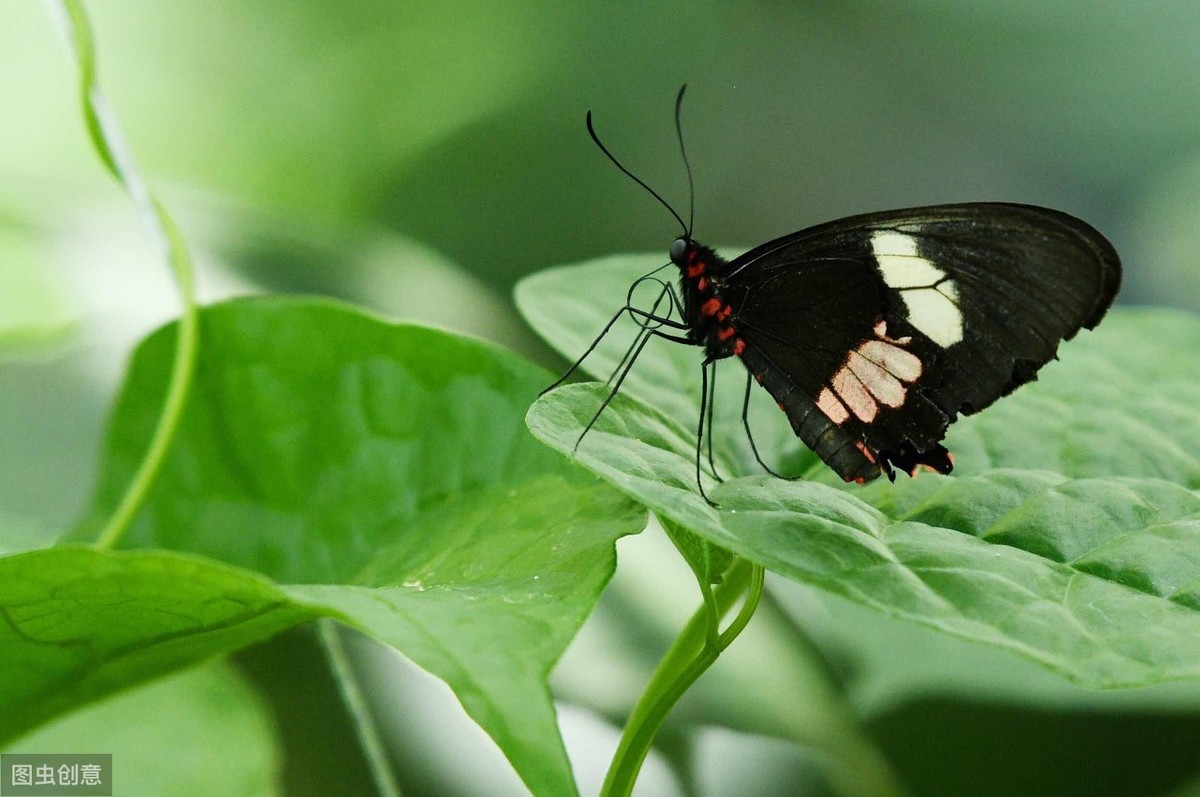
709	315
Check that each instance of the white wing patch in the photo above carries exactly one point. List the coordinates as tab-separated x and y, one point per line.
929	296
883	386
874	374
832	406
897	362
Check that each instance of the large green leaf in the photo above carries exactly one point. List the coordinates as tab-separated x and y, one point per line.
79	624
1071	535
343	466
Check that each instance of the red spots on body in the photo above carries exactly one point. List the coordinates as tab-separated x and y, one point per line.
726	311
702	284
695	269
739	346
711	307
726	333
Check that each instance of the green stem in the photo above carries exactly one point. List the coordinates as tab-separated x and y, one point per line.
692	653
757	579
110	145
182	370
356	704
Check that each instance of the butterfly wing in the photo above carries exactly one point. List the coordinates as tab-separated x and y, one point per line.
875	332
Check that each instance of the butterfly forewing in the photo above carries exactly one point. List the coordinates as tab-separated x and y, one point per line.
874	332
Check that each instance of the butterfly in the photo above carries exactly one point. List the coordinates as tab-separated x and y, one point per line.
874	333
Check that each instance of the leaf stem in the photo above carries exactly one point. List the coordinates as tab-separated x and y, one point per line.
692	653
114	152
356	704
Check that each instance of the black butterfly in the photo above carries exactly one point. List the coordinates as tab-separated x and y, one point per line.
875	332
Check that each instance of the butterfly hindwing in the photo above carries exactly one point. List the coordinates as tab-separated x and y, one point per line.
875	332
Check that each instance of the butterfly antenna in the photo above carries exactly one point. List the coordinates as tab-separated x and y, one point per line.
687	166
631	175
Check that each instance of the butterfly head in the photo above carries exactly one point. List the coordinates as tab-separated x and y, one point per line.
680	250
695	259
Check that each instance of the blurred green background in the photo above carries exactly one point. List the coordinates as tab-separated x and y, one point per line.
419	158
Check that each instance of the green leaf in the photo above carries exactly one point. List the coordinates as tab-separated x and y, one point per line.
379	474
79	624
1105	593
1077	616
486	596
204	731
1072	535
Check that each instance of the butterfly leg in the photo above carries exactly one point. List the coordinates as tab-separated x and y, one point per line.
641	318
705	410
625	357
575	365
710	402
650	321
644	320
640	343
750	435
668	289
